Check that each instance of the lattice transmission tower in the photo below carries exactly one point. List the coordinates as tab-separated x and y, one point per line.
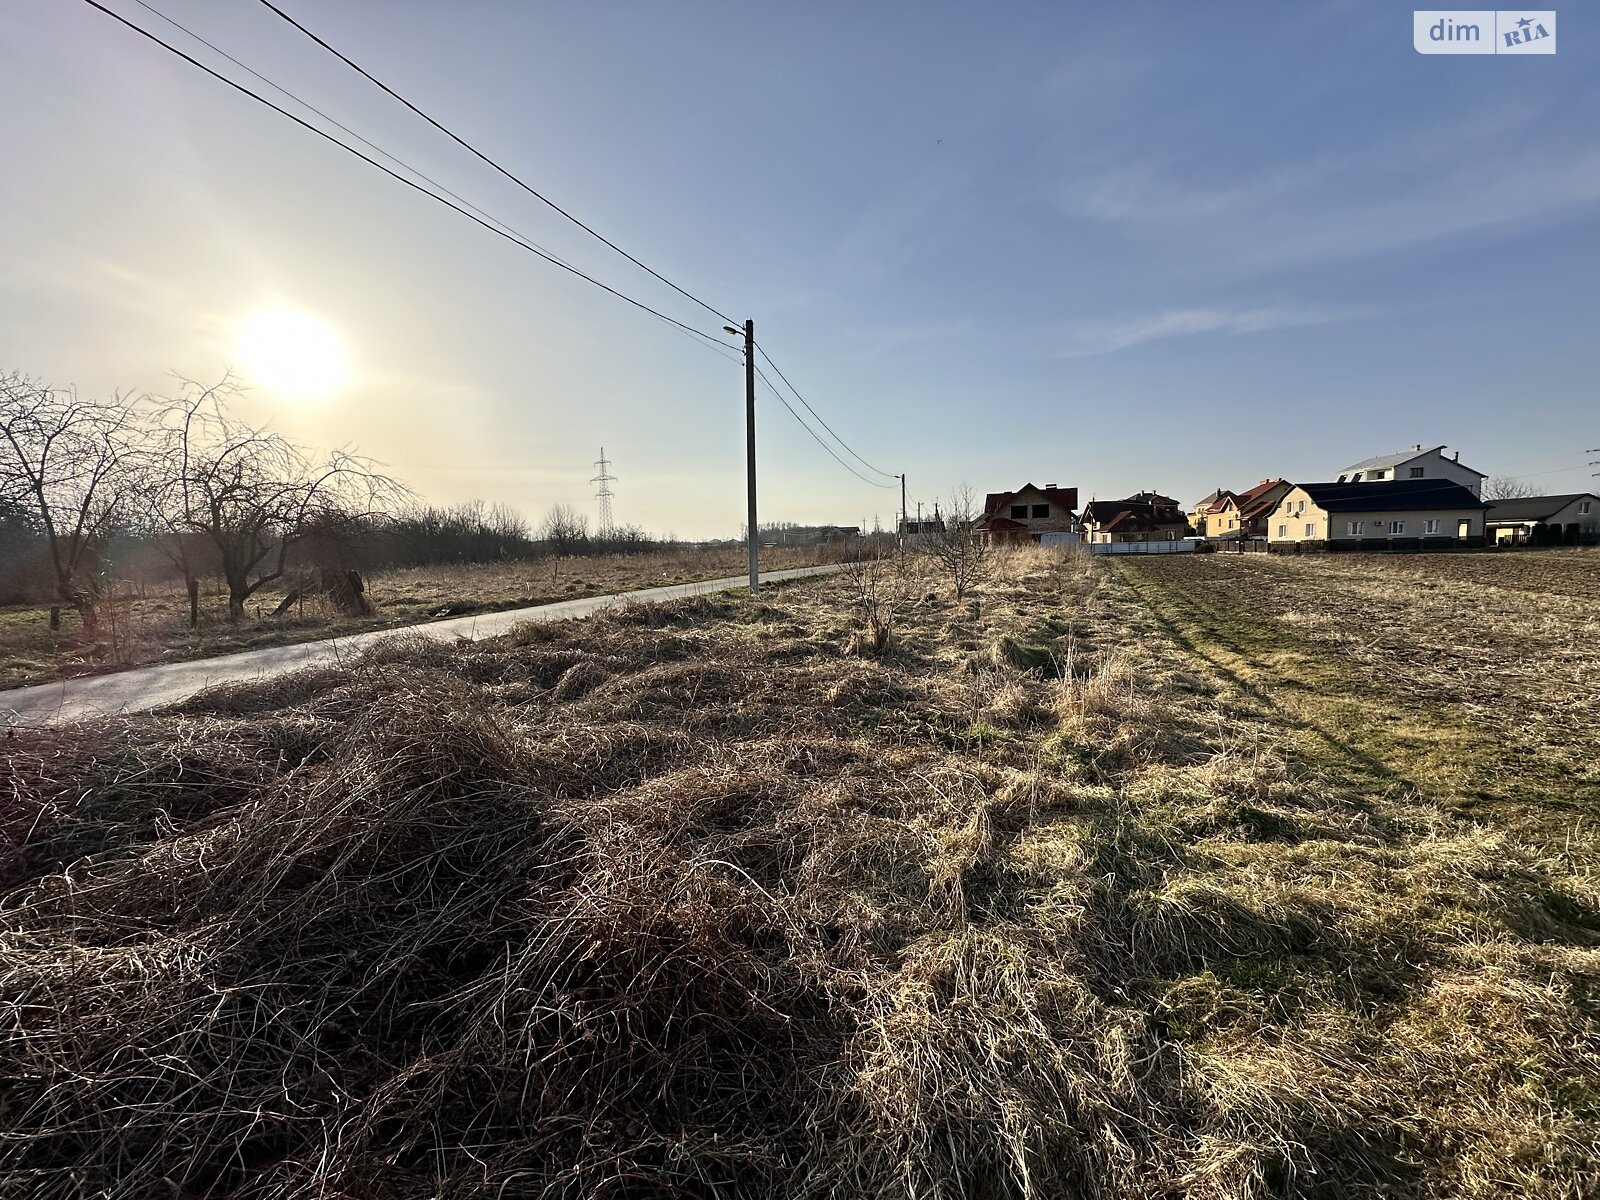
604	493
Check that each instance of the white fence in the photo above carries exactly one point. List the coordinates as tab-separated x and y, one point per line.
1184	546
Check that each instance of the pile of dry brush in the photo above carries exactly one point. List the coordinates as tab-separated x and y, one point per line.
686	901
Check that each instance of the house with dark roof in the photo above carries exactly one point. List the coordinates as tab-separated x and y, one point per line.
1572	519
1028	513
1242	514
1401	514
1419	462
1142	517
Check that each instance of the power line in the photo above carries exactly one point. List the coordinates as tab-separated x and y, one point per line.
814	413
371	145
763	376
462	142
511	237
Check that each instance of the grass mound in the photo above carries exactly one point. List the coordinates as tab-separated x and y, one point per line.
691	901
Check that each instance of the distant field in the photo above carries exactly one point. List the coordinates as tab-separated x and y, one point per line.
151	625
1222	878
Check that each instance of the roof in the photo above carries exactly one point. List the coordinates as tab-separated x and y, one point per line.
1384	461
1259	500
996	524
1533	508
1427	495
1216	497
1133	513
1066	497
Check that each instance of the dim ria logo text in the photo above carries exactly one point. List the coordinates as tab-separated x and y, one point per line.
1483	31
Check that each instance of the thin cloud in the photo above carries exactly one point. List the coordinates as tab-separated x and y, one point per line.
1106	337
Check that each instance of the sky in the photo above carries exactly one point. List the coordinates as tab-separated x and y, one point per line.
1117	247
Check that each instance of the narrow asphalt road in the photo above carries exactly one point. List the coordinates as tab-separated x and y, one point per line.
155	687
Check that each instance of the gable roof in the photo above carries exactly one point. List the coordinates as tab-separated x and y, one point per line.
1215	498
1400	457
1066	497
1259	500
1533	508
1395	495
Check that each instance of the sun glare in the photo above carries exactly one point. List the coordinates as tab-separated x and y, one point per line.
291	353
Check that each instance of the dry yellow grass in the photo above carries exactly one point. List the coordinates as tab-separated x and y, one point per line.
148	622
1038	896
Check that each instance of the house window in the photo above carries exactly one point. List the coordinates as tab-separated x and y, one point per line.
1583	508
1041	510
1357	528
1431	525
1233	524
1396	527
1019	512
1374	474
1416	472
1283	531
1311	529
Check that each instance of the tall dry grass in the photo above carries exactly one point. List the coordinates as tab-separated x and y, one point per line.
695	900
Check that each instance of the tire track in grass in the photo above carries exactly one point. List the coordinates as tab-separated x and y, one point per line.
1363	733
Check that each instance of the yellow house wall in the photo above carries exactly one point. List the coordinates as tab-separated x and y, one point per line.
1374	524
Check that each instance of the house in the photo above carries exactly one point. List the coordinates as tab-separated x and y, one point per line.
1415	463
1142	517
1544	520
1243	514
1029	512
1399	514
1204	508
922	527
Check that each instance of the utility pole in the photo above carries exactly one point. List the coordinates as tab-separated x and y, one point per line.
750	450
903	513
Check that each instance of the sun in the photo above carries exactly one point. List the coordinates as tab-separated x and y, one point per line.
292	353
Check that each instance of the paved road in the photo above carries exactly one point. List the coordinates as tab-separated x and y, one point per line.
155	687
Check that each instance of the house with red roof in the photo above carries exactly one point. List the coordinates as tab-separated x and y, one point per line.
1243	514
1028	513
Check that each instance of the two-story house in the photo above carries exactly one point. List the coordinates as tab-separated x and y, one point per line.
1028	513
1416	463
1243	514
1142	517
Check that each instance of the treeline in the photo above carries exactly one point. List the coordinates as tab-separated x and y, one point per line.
178	488
476	532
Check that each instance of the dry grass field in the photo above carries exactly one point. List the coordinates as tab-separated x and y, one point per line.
148	624
1215	878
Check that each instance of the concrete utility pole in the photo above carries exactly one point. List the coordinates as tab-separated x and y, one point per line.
750	451
903	513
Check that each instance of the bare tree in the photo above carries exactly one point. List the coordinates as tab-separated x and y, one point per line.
565	528
958	545
70	463
1507	487
252	494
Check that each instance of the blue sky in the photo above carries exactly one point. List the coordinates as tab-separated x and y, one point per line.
1117	247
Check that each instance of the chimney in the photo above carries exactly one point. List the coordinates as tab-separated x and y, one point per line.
1417	447
1455	456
